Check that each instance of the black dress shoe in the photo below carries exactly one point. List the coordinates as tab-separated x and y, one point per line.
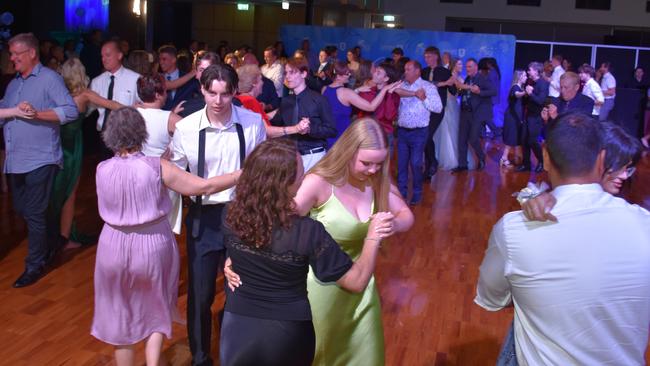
431	172
459	169
522	168
29	278
481	165
539	168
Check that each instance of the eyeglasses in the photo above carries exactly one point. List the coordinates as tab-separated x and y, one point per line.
629	171
16	54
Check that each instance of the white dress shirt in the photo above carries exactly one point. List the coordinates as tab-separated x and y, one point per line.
221	145
415	113
554	85
125	89
580	287
608	82
171	76
275	73
593	91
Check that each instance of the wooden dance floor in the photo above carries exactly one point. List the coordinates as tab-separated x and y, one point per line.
426	278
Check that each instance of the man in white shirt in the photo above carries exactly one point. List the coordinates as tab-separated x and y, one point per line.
554	82
230	133
412	128
579	285
591	88
608	85
116	83
273	69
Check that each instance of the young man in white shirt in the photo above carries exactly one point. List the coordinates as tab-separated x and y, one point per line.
230	133
558	71
580	285
608	85
591	88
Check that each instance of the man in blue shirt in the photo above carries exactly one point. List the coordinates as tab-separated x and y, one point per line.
34	149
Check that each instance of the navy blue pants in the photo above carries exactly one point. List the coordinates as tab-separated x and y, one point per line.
31	196
410	153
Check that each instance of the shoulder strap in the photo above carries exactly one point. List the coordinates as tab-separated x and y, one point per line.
242	144
199	172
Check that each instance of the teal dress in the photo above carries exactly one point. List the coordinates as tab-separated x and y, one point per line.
65	180
348	326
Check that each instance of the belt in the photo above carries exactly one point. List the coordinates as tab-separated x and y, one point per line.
411	128
315	150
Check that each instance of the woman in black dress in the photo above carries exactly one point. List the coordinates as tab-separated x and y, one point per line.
513	119
267	321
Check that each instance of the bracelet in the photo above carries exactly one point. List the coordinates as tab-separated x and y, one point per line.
531	191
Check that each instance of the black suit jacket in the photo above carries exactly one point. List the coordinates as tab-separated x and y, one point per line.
269	95
439	74
481	103
580	103
185	92
314	106
537	98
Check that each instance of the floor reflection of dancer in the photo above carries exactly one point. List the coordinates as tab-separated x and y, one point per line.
343	191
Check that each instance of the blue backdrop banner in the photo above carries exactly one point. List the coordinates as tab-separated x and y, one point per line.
377	44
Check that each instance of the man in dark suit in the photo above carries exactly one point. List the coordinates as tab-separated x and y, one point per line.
537	100
440	77
476	109
167	58
570	99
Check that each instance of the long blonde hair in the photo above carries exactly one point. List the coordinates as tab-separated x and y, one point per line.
74	76
364	133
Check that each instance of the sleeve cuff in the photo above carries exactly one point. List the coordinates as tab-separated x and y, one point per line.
482	303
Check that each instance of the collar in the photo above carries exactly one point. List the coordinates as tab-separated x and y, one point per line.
204	122
570	189
558	67
35	71
117	73
174	74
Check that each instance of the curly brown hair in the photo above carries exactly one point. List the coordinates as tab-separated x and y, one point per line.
263	201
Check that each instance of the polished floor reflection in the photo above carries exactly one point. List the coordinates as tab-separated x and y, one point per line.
426	279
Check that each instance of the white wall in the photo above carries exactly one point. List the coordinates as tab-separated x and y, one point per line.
431	14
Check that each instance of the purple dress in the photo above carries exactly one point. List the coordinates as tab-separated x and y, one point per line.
137	264
340	112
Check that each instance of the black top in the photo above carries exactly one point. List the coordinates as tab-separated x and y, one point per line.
274	276
537	99
269	95
580	103
515	109
314	106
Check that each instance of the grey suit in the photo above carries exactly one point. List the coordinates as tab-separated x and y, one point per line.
476	109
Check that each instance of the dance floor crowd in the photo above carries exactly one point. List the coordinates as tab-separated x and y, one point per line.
280	177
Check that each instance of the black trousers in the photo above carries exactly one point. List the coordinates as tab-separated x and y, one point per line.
31	196
469	133
532	130
430	161
205	255
250	341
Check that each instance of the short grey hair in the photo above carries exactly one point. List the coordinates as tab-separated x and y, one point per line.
27	39
125	130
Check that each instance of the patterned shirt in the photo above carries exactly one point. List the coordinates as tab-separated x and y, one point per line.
415	113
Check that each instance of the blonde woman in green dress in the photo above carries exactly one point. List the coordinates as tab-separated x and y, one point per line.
343	191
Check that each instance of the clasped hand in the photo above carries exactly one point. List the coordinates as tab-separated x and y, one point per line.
25	110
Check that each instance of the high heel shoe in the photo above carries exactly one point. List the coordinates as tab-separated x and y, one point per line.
505	163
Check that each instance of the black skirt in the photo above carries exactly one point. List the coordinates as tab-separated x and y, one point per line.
253	341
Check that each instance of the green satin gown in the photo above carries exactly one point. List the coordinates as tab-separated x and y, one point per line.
65	180
348	326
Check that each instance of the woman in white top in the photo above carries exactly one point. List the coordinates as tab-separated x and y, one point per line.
160	123
591	88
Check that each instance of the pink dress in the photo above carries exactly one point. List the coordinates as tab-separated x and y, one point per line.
137	264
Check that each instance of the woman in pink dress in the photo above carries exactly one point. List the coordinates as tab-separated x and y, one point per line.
137	264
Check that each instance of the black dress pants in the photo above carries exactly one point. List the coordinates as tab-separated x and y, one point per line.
251	341
469	133
532	130
31	196
205	255
430	161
